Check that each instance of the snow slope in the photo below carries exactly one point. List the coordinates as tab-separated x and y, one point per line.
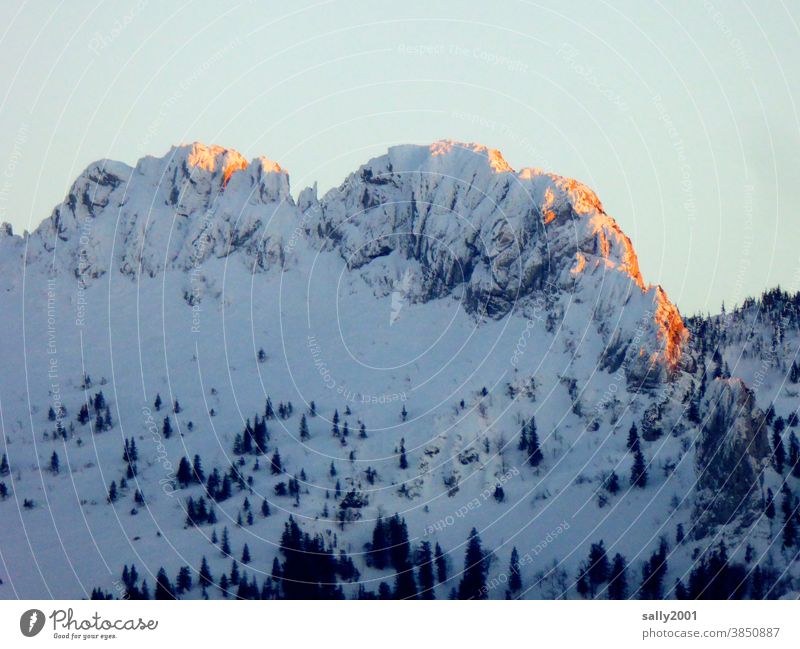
435	279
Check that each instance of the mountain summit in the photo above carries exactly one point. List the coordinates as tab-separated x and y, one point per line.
438	344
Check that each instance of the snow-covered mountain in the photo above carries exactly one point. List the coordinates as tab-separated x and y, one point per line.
440	337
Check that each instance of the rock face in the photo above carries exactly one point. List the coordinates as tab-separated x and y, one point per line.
732	453
453	216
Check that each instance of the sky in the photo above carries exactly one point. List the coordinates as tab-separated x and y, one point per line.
683	116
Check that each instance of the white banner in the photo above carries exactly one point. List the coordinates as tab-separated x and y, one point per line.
401	624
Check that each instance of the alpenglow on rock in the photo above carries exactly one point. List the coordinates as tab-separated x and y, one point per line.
456	214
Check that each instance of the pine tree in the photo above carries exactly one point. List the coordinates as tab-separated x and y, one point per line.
523	438
197	470
157	402
166	429
598	567
265	508
54	463
83	415
534	451
275	466
335	424
769	509
514	577
473	582
441	564
403	458
612	483
206	578
617	582
245	554
4	468
405	587
304	434
425	575
112	492
633	438
184	473
269	413
164	588
379	556
183	581
226	545
638	470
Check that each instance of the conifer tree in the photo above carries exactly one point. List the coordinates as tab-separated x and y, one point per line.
275	465
304	434
523	438
612	484
514	576
617	581
769	508
638	470
226	545
633	438
205	574
534	451
425	575
335	423
164	588
473	581
183	581
54	463
184	473
441	564
378	556
197	470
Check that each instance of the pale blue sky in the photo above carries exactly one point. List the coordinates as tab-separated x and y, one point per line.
683	116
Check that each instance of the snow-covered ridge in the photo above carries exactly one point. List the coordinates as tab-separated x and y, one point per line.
457	215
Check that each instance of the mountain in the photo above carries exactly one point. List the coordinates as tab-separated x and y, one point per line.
441	343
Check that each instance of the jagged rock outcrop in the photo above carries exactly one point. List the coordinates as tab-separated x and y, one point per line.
454	216
731	454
